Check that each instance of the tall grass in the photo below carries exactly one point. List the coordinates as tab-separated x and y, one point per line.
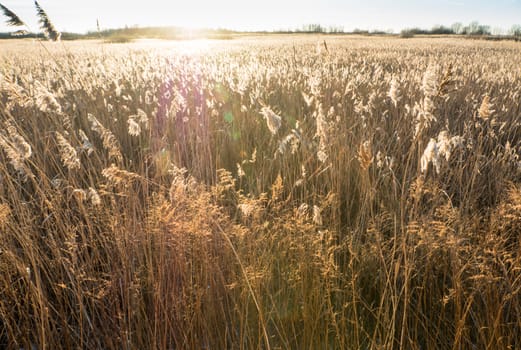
248	195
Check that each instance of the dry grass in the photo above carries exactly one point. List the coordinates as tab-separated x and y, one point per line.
261	193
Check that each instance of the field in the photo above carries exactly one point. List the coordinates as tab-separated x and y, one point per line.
276	192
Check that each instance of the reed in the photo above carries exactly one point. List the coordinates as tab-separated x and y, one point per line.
247	197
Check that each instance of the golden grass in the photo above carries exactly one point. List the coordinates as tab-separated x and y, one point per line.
261	193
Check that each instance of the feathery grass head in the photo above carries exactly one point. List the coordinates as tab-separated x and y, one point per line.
134	129
431	155
46	25
273	121
365	155
12	19
16	149
317	215
117	176
68	154
430	81
94	197
485	110
110	142
395	92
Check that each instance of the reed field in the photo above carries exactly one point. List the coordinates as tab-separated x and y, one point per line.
269	192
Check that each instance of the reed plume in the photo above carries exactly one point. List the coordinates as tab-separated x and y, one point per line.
12	19
485	110
317	216
431	155
46	25
117	176
94	197
273	121
365	155
395	92
110	143
134	129
68	154
17	151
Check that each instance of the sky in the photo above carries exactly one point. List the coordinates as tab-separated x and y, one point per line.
252	15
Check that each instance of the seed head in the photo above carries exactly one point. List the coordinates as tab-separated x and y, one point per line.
273	121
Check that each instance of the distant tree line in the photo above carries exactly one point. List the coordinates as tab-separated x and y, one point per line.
132	32
474	28
318	28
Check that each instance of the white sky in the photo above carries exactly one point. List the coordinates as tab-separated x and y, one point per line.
80	16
